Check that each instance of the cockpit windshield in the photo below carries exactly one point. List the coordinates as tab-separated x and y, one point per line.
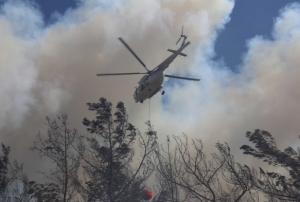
143	79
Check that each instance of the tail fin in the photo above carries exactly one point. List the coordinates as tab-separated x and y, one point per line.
173	51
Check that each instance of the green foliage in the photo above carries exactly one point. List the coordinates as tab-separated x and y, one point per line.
43	192
4	166
108	155
8	173
31	191
273	184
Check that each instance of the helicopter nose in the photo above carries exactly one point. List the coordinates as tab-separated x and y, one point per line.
135	96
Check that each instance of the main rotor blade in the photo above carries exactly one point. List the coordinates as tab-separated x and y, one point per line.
133	53
118	74
179	77
182	30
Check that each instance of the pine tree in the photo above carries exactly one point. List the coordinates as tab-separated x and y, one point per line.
107	156
275	185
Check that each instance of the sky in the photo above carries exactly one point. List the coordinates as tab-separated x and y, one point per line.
248	19
245	52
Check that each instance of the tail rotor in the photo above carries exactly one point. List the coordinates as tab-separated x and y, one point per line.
181	36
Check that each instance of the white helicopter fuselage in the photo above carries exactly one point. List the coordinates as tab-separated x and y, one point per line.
149	85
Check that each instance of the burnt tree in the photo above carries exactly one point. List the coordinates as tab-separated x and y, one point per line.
188	174
58	146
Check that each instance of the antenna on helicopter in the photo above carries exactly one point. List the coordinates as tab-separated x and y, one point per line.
182	36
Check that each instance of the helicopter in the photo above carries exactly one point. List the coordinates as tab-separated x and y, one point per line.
151	83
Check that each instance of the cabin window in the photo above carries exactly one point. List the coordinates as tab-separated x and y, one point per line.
141	87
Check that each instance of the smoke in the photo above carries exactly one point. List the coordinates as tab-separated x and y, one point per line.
48	70
17	70
25	19
263	95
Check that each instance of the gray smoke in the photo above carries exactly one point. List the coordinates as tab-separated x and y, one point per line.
48	70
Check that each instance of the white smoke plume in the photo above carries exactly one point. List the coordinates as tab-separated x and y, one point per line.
51	69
